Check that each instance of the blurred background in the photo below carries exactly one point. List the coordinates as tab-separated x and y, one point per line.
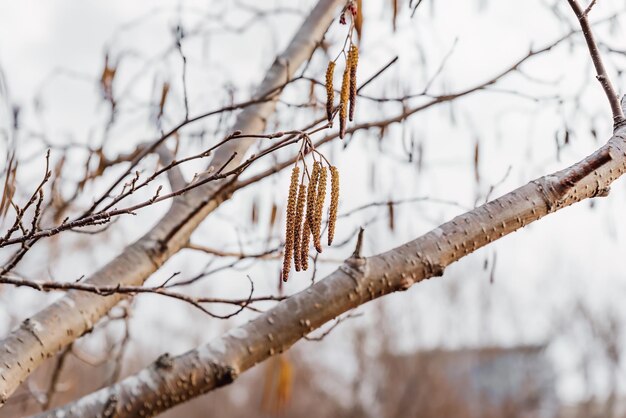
531	326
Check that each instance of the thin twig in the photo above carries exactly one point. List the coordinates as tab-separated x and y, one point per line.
601	74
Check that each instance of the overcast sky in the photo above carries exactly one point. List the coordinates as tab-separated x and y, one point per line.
55	50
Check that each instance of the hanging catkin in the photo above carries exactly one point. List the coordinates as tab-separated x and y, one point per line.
330	90
344	99
319	210
298	227
334	203
290	223
353	60
310	200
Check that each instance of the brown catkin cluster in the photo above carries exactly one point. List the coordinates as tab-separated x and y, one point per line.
330	90
343	99
297	260
334	203
305	210
290	224
353	59
319	210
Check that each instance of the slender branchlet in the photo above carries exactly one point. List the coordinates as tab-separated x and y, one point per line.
330	90
290	224
344	98
319	210
353	60
334	203
298	227
596	58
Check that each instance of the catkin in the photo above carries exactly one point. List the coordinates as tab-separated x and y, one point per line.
353	60
319	210
334	203
304	246
310	200
344	98
298	227
330	90
290	224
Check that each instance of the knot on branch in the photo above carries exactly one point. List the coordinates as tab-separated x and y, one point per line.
582	170
555	188
355	268
223	374
618	125
31	327
164	362
602	192
546	187
435	269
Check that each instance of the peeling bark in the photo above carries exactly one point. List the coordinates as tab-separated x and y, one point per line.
171	381
56	326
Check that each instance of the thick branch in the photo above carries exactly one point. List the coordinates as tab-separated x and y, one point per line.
170	381
46	333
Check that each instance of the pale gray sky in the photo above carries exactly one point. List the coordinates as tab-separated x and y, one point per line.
541	271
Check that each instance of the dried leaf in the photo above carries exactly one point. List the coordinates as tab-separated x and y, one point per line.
59	204
285	379
273	214
278	384
312	98
164	92
476	161
394	5
254	213
106	79
358	20
9	185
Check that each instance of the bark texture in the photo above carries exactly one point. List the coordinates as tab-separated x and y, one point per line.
56	326
173	380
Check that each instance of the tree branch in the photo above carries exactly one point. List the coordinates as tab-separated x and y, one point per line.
359	280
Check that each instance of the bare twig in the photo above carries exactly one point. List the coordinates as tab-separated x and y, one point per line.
104	291
601	74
